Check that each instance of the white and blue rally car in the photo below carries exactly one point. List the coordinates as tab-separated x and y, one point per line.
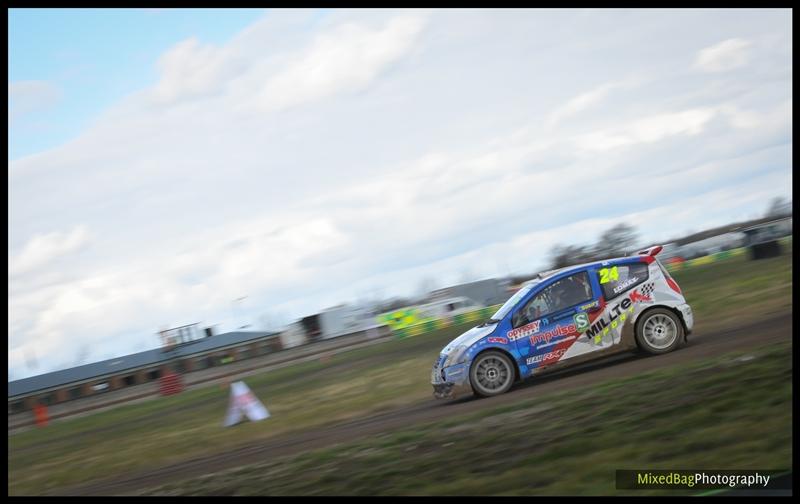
566	317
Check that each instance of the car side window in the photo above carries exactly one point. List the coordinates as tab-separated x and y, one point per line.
615	280
570	291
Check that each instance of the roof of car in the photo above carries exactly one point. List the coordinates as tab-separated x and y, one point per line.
567	269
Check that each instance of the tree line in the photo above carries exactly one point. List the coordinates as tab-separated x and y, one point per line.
616	241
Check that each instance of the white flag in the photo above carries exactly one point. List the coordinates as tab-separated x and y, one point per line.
244	402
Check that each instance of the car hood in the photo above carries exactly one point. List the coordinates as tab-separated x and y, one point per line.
470	337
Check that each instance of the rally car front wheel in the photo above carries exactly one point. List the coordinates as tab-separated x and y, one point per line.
491	374
659	331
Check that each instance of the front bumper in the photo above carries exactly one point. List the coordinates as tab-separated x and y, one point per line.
450	382
451	390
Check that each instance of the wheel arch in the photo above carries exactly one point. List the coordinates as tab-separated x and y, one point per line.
503	351
674	310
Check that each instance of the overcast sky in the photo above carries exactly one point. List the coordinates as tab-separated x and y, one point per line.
163	163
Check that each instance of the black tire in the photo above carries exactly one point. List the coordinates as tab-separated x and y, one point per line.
659	331
492	373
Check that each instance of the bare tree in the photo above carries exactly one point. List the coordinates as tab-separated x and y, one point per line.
616	241
779	207
562	256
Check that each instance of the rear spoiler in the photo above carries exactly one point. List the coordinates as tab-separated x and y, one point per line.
652	251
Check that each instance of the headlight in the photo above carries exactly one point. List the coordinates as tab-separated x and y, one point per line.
456	356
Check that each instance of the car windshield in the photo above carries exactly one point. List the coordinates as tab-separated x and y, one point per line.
512	302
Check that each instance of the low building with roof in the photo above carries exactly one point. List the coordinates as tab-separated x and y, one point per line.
140	368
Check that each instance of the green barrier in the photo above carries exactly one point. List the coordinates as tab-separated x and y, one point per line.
699	261
718	256
401	319
725	254
430	325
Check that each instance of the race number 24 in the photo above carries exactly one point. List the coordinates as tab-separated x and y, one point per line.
606	275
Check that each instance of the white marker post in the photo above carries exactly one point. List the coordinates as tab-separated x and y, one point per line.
244	403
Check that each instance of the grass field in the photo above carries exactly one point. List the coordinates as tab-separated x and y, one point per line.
731	289
350	384
733	411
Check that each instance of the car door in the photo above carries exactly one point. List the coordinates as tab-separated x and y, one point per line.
546	326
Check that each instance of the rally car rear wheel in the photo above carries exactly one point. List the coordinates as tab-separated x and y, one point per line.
659	331
491	374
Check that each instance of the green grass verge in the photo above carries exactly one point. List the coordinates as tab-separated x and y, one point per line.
730	290
730	412
354	383
166	430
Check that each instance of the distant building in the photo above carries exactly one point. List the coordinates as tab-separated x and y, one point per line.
767	231
330	323
726	238
183	356
293	335
713	244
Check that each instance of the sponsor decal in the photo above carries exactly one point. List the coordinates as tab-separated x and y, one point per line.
624	285
495	339
523	331
558	330
554	355
556	342
644	295
615	315
581	321
589	305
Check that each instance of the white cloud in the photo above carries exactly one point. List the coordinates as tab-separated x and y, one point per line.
344	58
347	58
581	102
191	69
45	248
26	97
647	130
589	99
726	55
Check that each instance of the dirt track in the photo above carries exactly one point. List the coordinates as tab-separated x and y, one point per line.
701	345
